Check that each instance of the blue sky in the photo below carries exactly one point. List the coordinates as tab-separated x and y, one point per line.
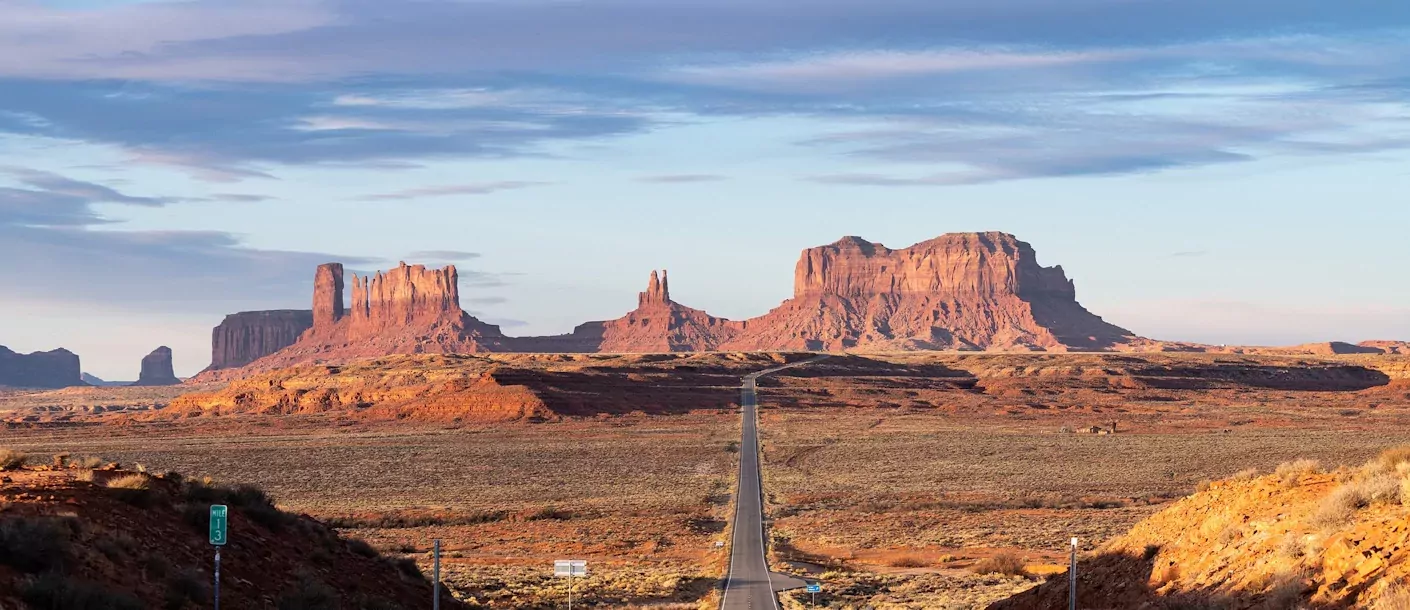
1230	172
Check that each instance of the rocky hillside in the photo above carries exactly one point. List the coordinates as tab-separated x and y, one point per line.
1300	537
79	535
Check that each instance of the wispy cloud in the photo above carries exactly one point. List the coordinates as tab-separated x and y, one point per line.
682	178
478	188
51	218
233	91
442	255
1189	253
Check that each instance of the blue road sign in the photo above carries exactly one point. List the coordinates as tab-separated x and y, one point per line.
815	588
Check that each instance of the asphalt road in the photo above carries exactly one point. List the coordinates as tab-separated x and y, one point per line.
750	585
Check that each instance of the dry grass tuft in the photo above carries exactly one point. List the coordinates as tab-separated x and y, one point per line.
90	462
1391	459
1245	475
1342	505
909	561
86	476
12	460
1291	473
1002	563
1395	597
131	481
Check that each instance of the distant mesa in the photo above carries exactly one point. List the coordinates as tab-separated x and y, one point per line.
960	291
96	381
157	369
53	369
1387	347
245	337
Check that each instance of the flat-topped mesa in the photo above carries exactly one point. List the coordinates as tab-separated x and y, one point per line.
53	369
658	292
245	337
957	291
956	264
328	295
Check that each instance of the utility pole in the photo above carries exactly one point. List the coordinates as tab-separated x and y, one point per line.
1072	578
217	578
436	576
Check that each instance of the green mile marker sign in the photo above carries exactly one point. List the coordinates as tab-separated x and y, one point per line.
219	524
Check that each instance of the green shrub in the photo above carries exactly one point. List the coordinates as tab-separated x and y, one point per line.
185	586
407	566
309	593
54	590
33	545
360	547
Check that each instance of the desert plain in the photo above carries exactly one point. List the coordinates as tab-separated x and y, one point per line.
890	477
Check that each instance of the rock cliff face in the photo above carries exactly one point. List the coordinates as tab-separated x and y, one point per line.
156	368
328	295
957	291
971	291
53	369
407	296
245	337
406	310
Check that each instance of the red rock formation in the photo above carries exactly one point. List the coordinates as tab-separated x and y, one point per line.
957	291
53	369
658	292
156	368
403	297
245	337
661	325
406	310
328	295
1387	347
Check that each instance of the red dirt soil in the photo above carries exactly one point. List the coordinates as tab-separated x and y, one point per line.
151	545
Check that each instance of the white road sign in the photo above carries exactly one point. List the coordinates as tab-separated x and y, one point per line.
569	568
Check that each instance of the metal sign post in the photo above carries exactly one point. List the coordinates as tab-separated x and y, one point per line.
1072	578
570	569
436	577
219	533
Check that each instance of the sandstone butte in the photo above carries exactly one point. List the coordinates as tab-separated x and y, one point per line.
959	291
157	369
970	291
53	369
1299	538
245	337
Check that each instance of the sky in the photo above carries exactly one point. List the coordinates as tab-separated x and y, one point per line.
1223	171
